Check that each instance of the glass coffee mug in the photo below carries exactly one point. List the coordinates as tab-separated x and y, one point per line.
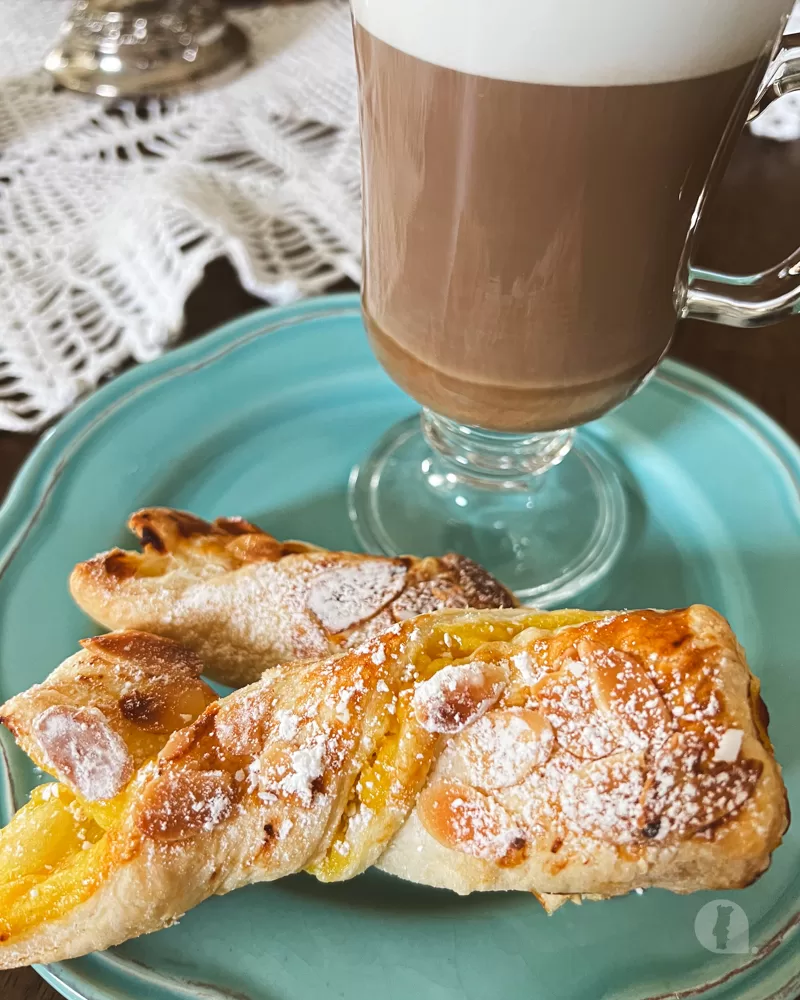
533	174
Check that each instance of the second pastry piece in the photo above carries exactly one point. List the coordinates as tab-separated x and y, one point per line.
244	601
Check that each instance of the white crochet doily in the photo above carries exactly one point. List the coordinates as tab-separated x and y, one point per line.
108	217
107	220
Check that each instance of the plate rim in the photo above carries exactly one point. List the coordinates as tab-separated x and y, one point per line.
37	477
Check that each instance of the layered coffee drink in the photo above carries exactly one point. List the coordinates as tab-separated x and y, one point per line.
531	171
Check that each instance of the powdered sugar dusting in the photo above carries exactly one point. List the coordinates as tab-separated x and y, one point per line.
640	755
524	664
306	766
424	597
49	791
342	709
288	724
214	810
603	798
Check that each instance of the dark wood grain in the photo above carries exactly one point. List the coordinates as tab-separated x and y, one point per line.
753	222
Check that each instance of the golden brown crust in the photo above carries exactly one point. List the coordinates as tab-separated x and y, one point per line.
245	601
583	755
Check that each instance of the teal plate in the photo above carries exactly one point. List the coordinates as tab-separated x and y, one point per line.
264	419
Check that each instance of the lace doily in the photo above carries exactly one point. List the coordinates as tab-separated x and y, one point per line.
109	214
781	121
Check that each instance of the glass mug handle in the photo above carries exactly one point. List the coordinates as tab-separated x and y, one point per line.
770	295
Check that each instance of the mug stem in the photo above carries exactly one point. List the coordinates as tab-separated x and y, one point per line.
491	459
545	513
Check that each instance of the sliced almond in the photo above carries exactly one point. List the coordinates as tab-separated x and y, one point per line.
505	746
457	695
181	804
622	689
242	722
466	820
153	655
84	751
479	587
346	595
565	697
689	791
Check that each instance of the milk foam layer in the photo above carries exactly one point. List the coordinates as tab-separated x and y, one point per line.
577	42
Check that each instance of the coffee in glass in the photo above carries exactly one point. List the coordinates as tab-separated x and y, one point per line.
533	172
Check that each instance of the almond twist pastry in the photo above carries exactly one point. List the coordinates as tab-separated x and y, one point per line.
244	601
567	754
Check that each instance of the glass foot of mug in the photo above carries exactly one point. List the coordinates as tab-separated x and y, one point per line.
545	513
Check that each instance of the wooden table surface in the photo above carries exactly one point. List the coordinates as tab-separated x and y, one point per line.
753	222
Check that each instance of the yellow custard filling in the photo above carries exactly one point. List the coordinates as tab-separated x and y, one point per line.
49	859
